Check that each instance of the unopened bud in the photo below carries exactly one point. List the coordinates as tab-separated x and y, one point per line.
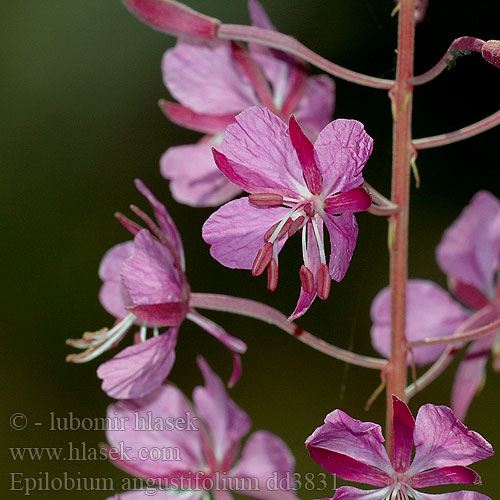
491	52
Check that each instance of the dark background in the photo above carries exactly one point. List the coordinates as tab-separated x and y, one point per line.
80	83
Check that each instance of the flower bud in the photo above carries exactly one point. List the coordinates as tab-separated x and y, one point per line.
491	52
174	18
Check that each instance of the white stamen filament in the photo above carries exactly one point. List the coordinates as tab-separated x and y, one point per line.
319	240
304	245
155	332
114	335
281	224
143	332
279	91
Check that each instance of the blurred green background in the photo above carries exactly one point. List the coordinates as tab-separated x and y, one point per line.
80	83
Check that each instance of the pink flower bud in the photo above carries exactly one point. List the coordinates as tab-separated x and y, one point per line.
174	18
491	52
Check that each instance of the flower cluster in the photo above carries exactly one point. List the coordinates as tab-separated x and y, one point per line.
213	82
267	133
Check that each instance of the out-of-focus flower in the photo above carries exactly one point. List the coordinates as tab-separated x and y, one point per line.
201	442
469	253
214	81
444	447
144	284
294	186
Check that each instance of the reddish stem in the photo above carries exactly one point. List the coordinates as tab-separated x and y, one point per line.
462	46
458	135
401	95
257	310
465	334
288	44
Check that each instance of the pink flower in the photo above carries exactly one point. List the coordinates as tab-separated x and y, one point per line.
469	253
144	284
203	440
213	81
444	447
294	186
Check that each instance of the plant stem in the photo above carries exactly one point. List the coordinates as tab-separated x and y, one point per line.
254	309
402	96
286	43
462	45
464	334
460	134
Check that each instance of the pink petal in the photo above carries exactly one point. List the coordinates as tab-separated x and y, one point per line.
456	495
146	494
468	294
236	232
261	155
351	449
226	421
445	475
235	345
111	263
259	16
342	147
431	312
186	117
305	153
350	493
139	369
441	440
232	343
165	222
114	299
315	108
204	77
150	422
254	74
307	298
266	458
470	248
112	295
167	314
343	231
403	424
470	374
355	200
149	274
194	177
275	64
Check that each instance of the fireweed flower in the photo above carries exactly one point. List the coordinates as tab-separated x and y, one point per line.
213	81
469	253
203	444
144	285
294	186
444	447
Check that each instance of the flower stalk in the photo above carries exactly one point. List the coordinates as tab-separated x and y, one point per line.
263	312
401	95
